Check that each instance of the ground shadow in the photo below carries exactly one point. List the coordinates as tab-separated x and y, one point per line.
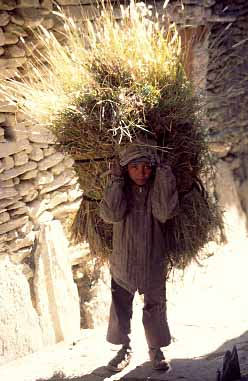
197	369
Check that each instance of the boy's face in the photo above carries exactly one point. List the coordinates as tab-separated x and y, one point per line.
139	172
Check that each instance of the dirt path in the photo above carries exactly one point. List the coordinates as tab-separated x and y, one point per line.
207	312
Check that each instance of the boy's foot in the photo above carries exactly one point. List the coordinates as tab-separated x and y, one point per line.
121	360
158	359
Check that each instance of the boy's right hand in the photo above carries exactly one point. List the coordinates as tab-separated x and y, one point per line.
115	168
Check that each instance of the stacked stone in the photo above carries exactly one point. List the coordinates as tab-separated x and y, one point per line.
37	184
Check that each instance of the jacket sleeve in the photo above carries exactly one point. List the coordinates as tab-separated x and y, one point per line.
113	206
164	196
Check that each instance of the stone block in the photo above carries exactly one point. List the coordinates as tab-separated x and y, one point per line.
19	256
25	229
57	299
16	19
2	38
8	202
2	117
65	209
25	188
44	178
15	205
37	207
4	18
14	51
29	175
32	17
7	106
19	323
69	2
39	134
10	63
15	29
13	224
28	4
18	211
48	23
4	217
49	151
8	193
32	195
17	171
47	4
20	243
11	235
50	161
58	169
16	180
10	148
59	181
7	5
7	184
57	198
74	194
8	163
11	38
20	158
1	50
36	154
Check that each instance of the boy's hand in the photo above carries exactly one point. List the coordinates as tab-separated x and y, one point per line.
115	168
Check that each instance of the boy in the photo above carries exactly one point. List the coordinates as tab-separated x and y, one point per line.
139	198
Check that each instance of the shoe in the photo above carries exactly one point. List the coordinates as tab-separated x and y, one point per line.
121	360
158	359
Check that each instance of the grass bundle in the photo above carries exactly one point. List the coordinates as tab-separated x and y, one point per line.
109	83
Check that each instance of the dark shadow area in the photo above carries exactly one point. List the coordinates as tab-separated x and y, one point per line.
196	369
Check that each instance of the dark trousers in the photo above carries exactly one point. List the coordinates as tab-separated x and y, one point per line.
154	317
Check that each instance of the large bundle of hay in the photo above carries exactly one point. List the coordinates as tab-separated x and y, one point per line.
120	80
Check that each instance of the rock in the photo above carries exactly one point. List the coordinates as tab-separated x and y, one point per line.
49	151
20	255
16	180
13	224
7	5
50	161
29	175
28	4
20	243
14	51
10	148
17	171
11	39
19	324
8	193
25	229
7	202
6	106
11	235
57	299
32	17
20	158
2	117
57	198
18	211
59	181
7	184
8	162
4	18
48	23
16	205
4	217
69	2
47	4
27	271
63	210
58	169
44	217
18	20
15	29
44	178
9	63
25	188
39	134
36	154
36	207
31	196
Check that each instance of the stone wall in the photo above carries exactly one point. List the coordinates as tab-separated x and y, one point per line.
38	187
